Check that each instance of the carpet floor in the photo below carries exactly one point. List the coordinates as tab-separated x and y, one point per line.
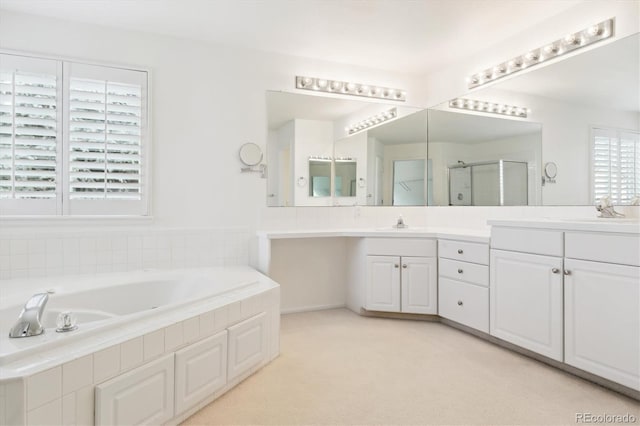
338	368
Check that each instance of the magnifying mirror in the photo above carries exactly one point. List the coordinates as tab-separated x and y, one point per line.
250	154
551	170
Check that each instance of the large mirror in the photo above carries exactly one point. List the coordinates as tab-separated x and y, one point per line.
315	161
589	108
483	161
579	142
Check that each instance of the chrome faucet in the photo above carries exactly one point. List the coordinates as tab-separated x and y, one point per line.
29	322
606	209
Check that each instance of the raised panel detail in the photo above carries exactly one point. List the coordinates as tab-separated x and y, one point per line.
527	301
419	289
602	320
247	345
383	283
201	369
465	251
141	396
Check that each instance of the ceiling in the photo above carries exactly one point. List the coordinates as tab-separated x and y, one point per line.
412	36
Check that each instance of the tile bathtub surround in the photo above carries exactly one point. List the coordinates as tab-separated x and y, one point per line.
48	252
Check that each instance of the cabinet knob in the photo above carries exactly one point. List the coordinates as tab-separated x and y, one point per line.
567	272
460	251
459	302
404	266
396	266
555	270
460	271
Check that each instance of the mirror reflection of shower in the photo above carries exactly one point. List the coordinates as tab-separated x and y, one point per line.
488	183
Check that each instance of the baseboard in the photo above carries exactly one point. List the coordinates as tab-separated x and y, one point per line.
311	308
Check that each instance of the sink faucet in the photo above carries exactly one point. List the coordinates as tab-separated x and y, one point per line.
400	224
606	209
29	322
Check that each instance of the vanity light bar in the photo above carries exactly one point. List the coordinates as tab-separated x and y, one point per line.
372	121
569	43
488	107
349	88
320	158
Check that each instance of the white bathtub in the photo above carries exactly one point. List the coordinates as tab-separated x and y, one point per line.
107	301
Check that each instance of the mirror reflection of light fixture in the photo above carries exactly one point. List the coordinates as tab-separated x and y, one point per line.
550	172
362	183
251	156
302	181
488	107
374	120
569	43
350	88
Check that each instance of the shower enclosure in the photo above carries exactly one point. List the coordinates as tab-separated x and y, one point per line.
488	183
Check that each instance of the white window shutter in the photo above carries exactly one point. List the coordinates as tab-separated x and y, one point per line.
615	164
105	143
30	134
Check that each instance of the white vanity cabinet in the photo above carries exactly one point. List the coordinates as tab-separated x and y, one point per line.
463	283
526	288
401	275
602	306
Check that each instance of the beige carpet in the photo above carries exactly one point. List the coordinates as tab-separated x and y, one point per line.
336	367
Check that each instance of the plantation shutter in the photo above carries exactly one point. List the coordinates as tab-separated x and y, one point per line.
30	133
616	164
105	141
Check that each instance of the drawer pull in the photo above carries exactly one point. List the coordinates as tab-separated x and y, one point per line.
555	270
396	266
404	266
459	302
460	271
567	272
460	251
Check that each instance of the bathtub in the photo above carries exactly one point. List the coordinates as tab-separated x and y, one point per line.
117	309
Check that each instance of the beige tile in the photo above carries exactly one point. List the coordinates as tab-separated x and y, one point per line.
191	329
173	336
106	364
153	344
48	414
44	387
131	353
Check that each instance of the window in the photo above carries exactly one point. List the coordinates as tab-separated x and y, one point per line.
72	138
616	164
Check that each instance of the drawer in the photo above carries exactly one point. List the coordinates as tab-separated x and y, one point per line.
623	249
460	250
423	247
528	240
464	271
464	303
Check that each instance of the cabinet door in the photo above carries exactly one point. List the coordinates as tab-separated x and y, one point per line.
419	289
602	320
201	369
247	345
140	396
526	301
383	283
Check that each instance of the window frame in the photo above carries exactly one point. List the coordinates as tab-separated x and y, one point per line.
592	135
22	215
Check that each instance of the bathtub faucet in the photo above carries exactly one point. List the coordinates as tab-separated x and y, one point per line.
29	322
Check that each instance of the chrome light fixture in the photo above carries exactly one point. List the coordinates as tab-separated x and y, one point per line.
374	120
349	88
569	43
488	107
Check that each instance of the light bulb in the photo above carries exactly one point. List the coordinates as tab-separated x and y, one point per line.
336	85
532	56
571	39
322	83
350	87
551	48
306	81
594	30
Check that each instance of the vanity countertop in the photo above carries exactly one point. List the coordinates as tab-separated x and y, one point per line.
472	235
596	224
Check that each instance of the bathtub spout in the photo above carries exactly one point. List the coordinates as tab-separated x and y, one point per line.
29	322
